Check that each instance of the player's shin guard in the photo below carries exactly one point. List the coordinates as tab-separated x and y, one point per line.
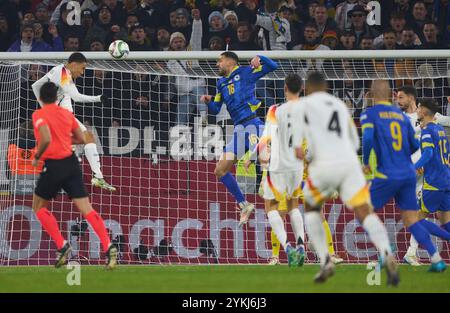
378	234
423	238
230	182
95	220
275	244
329	237
90	150
435	230
297	225
316	234
48	222
277	224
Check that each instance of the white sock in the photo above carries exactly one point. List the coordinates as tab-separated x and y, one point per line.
90	150
297	224
436	257
277	224
316	234
413	246
377	234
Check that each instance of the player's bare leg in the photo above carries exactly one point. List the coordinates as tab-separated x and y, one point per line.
316	235
50	225
379	237
222	172
90	150
298	228
277	224
96	222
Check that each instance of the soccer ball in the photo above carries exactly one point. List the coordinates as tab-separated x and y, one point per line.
119	49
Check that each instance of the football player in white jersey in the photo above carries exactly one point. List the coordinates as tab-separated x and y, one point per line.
333	143
284	170
407	101
63	77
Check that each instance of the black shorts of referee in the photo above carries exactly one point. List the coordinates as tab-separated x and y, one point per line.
60	174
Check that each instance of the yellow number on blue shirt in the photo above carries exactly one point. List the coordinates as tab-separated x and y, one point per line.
231	89
443	146
396	133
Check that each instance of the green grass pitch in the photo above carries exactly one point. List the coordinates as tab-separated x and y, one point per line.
215	278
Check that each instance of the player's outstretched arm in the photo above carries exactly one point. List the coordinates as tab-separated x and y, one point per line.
71	90
442	119
261	66
214	105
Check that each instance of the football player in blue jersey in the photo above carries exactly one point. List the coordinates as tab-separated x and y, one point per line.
387	130
236	89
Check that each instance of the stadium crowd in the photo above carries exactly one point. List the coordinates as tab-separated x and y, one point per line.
47	25
163	101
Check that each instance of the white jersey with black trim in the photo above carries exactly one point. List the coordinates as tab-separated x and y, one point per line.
279	130
67	90
328	129
415	123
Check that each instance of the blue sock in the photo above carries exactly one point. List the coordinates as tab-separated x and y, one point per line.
447	226
422	236
435	230
230	182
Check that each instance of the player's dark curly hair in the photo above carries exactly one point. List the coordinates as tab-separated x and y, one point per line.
293	83
77	57
231	55
430	104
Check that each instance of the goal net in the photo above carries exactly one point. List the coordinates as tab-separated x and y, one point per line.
169	207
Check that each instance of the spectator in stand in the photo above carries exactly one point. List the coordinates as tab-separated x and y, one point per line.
404	7
216	43
309	17
118	13
276	31
87	20
42	15
154	13
295	26
28	18
27	42
330	39
312	42
104	29
419	13
409	39
342	17
71	43
64	28
173	18
323	22
397	22
442	19
232	19
189	89
162	39
359	26
245	38
96	45
366	43
430	34
6	34
182	23
55	41
219	27
348	40
130	7
243	13
389	40
132	19
139	40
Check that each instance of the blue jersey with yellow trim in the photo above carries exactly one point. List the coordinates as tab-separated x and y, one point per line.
394	140
436	170
237	90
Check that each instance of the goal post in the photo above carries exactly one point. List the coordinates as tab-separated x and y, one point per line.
169	207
